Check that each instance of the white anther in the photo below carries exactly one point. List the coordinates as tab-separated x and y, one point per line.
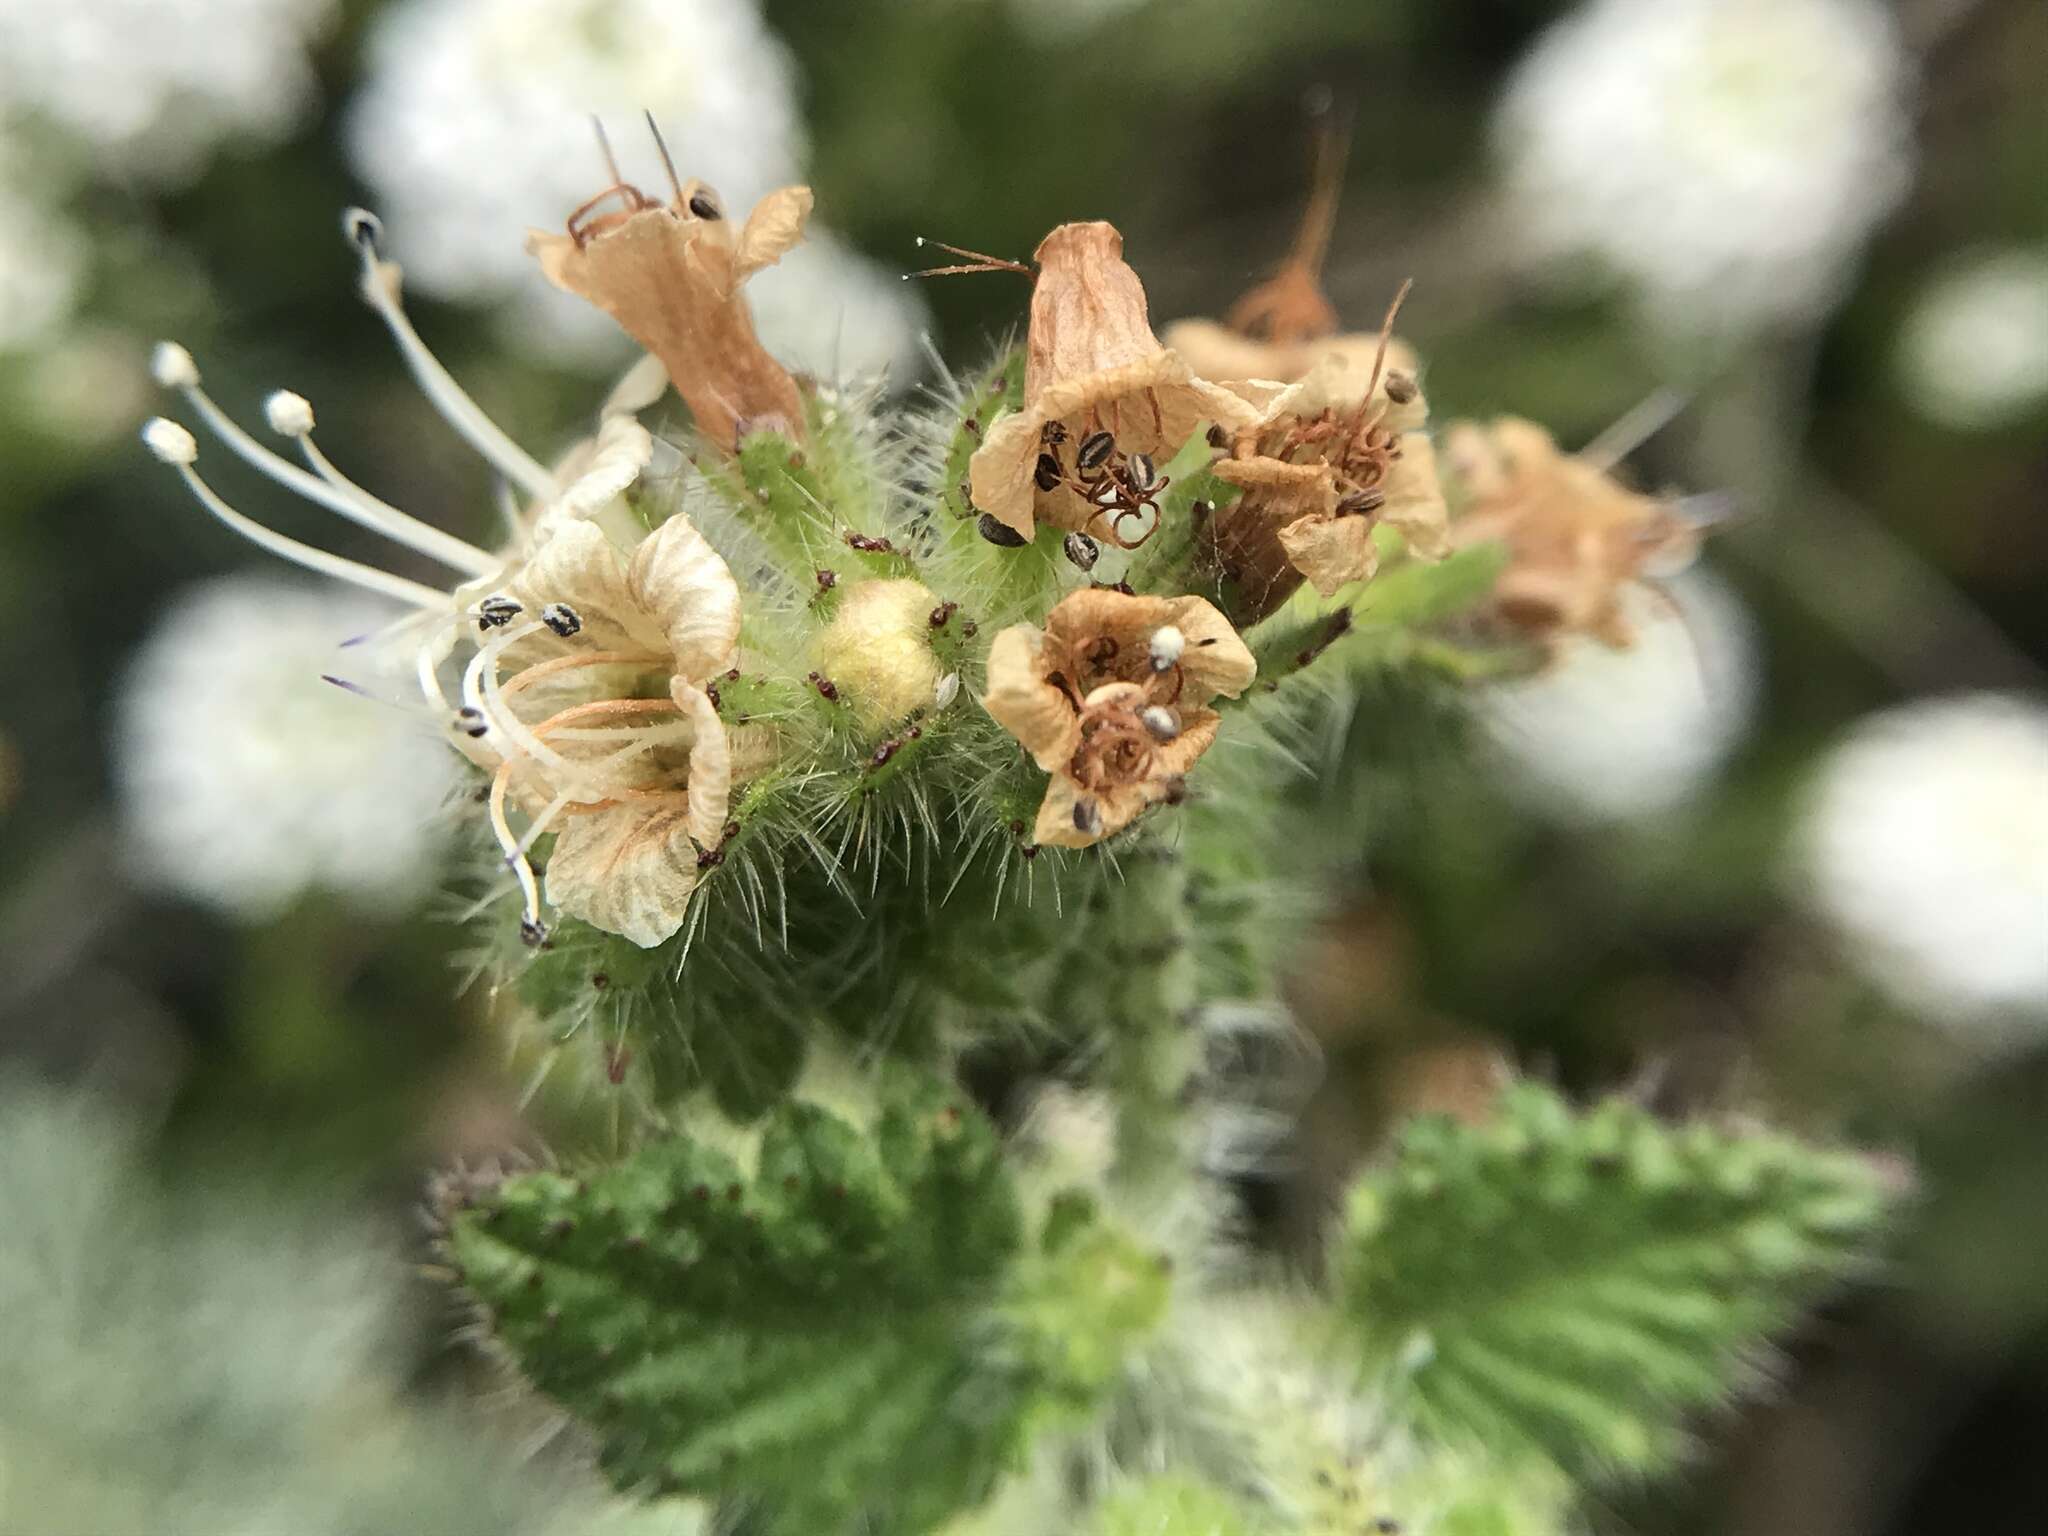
1160	721
1166	645
948	690
171	443
289	415
172	366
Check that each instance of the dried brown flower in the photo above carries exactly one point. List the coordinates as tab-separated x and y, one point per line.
1111	698
1575	535
1325	465
671	274
1102	399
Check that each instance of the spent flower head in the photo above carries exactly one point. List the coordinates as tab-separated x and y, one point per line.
1575	536
1112	699
1103	401
588	639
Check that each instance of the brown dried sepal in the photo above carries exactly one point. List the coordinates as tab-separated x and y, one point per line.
1575	536
671	277
1079	693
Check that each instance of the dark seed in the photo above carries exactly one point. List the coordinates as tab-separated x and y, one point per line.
1002	535
1143	474
471	722
1095	448
1087	818
532	934
1047	475
495	612
561	618
1359	502
703	207
1082	550
827	579
1400	388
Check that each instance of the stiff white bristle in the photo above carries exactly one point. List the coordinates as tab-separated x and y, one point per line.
172	366
171	443
289	415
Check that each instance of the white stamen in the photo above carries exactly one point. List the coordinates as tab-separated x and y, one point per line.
380	516
360	508
174	446
380	290
172	366
171	443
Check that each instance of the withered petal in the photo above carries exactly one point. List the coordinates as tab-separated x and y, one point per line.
628	870
772	230
683	585
1031	709
710	775
1332	552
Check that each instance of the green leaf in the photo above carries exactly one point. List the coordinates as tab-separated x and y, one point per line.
855	1332
1571	1285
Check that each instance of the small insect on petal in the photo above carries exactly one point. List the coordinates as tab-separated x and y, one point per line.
1048	474
289	414
496	611
1088	818
1095	449
1082	550
1160	721
171	443
562	619
1165	647
1001	535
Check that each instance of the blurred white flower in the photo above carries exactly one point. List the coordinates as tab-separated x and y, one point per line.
245	779
1727	157
154	85
474	122
1974	352
1925	842
42	261
1606	734
829	311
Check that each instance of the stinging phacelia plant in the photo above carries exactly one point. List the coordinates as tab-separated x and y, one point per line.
820	750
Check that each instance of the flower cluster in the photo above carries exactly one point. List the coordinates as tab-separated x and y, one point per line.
753	638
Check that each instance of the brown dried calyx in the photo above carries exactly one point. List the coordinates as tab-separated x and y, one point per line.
1104	402
670	274
1575	536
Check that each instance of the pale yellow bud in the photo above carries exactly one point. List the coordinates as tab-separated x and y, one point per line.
878	650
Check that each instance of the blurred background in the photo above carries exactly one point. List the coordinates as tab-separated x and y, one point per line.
1788	855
